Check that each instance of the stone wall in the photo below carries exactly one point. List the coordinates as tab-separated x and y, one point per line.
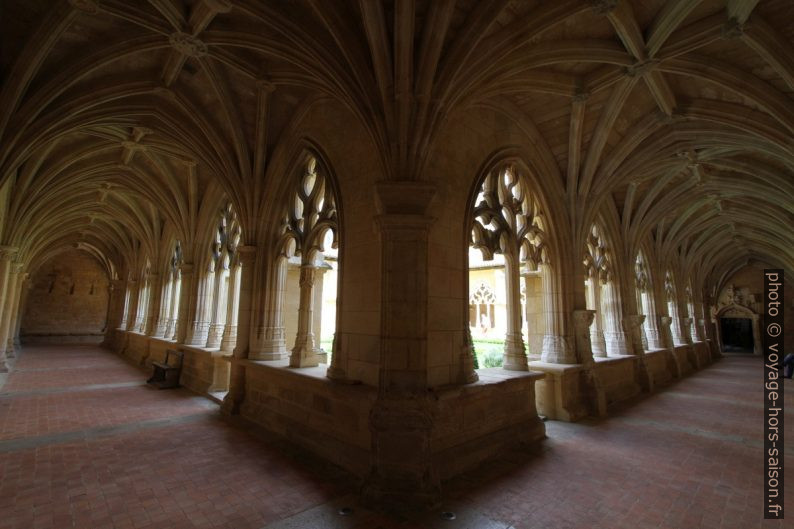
750	280
618	376
470	424
67	300
203	371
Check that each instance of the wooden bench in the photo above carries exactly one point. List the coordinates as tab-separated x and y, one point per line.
166	374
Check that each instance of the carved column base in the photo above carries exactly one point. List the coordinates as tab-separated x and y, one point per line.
558	350
159	330
3	366
215	335
197	334
170	330
229	340
515	357
617	343
338	374
270	345
598	344
303	356
468	374
402	476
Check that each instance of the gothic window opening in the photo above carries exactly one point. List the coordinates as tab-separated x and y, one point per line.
508	251
679	329
644	299
696	331
607	337
215	325
308	269
169	303
142	312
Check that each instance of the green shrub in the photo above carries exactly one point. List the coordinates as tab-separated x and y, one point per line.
492	359
488	352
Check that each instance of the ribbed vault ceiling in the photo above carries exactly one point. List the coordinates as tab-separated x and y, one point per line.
119	118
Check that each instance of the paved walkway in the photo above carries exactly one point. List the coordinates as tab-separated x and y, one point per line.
85	444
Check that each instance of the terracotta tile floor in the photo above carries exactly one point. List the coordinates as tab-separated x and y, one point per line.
95	448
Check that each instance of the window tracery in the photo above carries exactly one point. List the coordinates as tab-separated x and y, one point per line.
507	220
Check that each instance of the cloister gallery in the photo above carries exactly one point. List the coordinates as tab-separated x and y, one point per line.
398	235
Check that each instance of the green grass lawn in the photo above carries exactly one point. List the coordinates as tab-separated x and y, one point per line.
489	351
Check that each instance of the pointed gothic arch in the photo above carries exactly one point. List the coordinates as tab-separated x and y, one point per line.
505	217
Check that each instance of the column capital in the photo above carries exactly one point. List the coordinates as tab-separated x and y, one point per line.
16	268
633	321
582	319
404	198
404	222
8	252
246	251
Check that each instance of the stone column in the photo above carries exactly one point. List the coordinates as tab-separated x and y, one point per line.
245	316
229	339
558	348
140	311
125	311
16	315
186	310
467	372
598	344
23	300
199	327
678	324
219	305
132	312
9	310
154	304
164	313
654	337
582	320
6	254
401	420
117	297
173	309
632	326
717	321
271	340
667	334
515	356
686	328
304	354
758	348
616	341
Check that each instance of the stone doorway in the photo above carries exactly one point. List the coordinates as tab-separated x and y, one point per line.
737	335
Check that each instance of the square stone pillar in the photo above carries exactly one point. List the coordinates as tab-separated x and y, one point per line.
234	398
7	253
401	421
9	309
16	316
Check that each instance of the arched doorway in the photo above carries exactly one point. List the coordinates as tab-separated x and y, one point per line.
738	330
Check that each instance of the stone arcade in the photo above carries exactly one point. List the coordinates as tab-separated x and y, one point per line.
217	175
